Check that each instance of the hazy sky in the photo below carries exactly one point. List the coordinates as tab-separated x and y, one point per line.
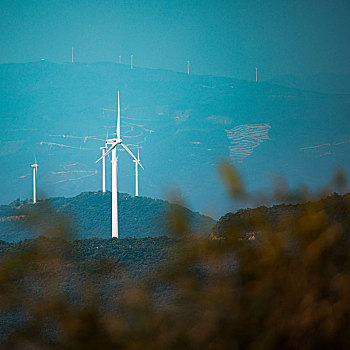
228	38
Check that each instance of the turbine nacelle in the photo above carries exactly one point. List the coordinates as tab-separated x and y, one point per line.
35	171
115	141
138	162
35	166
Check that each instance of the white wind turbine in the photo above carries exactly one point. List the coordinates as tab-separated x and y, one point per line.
35	171
113	143
103	168
137	163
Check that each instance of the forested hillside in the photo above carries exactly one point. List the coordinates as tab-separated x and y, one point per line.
261	269
89	215
80	270
136	257
246	222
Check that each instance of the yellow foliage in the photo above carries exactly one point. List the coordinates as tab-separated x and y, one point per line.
289	287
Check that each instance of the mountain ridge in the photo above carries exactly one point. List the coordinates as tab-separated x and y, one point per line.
184	124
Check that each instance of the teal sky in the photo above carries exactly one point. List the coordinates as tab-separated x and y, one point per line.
228	38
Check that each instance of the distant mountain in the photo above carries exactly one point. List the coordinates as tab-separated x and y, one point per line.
184	124
330	83
89	215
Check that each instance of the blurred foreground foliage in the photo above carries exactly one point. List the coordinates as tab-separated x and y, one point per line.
264	279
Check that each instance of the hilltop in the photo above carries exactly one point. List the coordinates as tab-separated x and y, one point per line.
89	215
246	221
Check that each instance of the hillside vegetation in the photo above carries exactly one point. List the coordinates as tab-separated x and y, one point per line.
267	278
89	215
77	270
335	205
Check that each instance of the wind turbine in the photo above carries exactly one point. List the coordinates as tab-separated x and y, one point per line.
103	148
113	143
35	170
137	163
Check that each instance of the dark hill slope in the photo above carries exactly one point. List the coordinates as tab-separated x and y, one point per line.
334	208
78	270
90	214
184	125
138	256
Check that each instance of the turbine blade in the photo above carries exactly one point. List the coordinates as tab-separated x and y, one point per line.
110	150
138	158
104	155
128	150
99	159
118	120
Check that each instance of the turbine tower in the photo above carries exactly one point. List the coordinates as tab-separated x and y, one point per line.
113	143
35	171
132	61
256	74
137	163
188	67
103	168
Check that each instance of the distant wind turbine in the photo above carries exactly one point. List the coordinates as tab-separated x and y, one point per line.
120	59
131	62
137	163
256	74
188	67
103	168
113	143
35	171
